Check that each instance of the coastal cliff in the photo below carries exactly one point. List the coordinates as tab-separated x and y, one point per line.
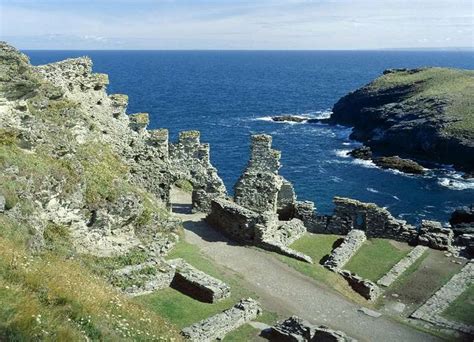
425	113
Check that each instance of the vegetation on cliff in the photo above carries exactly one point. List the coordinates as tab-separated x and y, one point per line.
63	176
425	113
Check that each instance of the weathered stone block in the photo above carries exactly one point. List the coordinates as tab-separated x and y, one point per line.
217	326
196	283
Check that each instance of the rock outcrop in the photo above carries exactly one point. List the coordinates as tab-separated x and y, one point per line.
400	164
420	113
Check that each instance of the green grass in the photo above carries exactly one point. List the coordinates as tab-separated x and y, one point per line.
462	309
454	86
375	258
182	310
317	247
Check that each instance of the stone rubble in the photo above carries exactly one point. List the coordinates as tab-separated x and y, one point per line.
434	235
431	311
295	329
346	250
398	269
217	326
197	284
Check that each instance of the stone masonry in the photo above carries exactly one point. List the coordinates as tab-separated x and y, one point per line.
374	221
295	329
197	284
258	187
262	197
190	160
342	254
432	309
397	270
217	326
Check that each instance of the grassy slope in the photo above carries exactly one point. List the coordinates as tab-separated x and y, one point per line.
183	310
375	258
456	86
53	296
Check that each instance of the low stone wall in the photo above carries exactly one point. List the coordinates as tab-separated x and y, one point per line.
397	270
364	287
217	326
433	308
342	254
295	329
197	284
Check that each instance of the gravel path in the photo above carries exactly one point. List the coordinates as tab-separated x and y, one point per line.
286	291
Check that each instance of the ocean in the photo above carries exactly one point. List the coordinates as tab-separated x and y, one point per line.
229	95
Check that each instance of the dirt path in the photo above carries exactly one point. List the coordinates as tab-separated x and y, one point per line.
284	290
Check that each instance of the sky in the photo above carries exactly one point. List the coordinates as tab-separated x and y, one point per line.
237	24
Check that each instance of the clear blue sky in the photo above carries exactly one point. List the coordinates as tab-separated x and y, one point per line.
236	24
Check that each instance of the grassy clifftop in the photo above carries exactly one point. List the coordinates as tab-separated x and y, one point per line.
425	113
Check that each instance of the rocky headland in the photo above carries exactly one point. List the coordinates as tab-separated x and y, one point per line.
424	113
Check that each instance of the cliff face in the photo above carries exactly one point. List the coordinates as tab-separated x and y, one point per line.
84	189
423	113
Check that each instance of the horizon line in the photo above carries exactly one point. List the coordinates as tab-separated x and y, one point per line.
465	49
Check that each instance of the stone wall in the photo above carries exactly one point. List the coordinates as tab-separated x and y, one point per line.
189	160
286	200
374	221
217	326
234	220
432	309
197	284
295	329
346	250
364	287
397	270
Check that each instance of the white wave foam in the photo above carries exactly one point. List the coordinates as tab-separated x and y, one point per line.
372	190
365	163
342	153
396	197
319	114
263	118
456	182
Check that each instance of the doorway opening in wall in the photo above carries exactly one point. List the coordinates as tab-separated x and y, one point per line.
360	221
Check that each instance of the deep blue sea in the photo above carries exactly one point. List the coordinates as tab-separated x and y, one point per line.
228	95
